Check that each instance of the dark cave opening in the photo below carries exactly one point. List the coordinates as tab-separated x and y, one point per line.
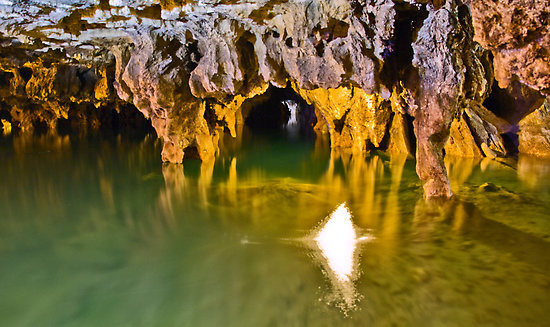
109	119
279	110
398	52
5	79
512	104
247	57
26	73
115	119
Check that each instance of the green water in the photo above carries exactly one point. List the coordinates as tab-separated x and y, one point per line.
95	231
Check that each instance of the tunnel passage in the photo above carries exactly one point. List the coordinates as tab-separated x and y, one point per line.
279	110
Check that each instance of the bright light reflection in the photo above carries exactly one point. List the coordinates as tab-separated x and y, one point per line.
337	241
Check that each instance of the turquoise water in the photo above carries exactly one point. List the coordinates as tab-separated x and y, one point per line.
96	231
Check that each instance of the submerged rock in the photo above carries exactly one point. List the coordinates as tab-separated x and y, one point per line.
369	67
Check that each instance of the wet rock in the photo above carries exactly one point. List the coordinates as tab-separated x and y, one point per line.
448	72
154	75
471	136
489	187
513	103
461	141
192	81
518	34
487	132
534	134
6	127
400	135
48	90
355	120
496	191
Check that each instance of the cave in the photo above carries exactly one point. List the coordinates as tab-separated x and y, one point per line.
274	163
279	111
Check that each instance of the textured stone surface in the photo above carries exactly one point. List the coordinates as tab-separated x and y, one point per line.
44	90
369	67
461	141
518	34
534	134
400	135
450	76
514	102
355	120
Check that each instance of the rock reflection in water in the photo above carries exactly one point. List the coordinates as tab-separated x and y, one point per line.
534	171
265	238
241	187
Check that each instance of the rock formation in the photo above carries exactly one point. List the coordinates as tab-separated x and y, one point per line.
397	75
534	134
518	34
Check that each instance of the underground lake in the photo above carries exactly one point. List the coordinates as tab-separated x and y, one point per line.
274	163
277	231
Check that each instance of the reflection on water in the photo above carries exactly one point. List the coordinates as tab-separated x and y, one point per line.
533	171
338	243
97	231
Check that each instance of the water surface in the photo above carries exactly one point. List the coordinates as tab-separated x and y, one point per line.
96	231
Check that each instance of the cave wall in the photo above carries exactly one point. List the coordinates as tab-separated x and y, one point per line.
422	77
39	91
